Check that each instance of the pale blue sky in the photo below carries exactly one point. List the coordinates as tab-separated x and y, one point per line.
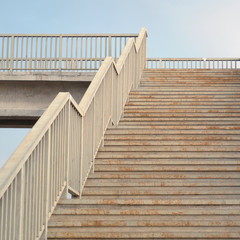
176	28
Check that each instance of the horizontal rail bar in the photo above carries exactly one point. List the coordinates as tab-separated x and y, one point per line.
72	35
193	63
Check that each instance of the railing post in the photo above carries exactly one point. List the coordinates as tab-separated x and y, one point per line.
67	154
204	63
60	54
20	204
12	55
110	46
46	184
81	158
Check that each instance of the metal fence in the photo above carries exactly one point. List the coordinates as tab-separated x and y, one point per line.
58	153
59	52
193	63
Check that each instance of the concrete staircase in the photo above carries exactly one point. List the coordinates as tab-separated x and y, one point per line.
170	170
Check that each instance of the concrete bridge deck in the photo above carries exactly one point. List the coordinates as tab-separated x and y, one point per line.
25	96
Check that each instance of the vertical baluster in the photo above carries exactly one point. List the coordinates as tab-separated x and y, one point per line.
38	188
16	65
31	54
2	207
81	67
96	53
67	38
46	53
7	59
115	49
55	59
72	53
76	57
2	57
46	181
36	55
34	196
110	45
21	67
14	210
100	51
10	220
120	47
51	38
41	48
86	53
105	47
30	193
91	52
19	205
5	225
60	53
26	203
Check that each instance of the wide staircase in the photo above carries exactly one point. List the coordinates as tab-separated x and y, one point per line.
170	169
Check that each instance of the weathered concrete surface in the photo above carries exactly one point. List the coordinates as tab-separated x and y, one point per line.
25	96
169	170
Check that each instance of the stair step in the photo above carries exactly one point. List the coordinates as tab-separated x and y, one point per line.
165	175
191	110
175	118
171	149
167	161
147	210
166	167
179	107
177	127
174	131
145	233
142	142
165	137
191	222
165	183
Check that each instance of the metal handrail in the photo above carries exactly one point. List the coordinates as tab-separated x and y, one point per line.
58	153
59	52
193	63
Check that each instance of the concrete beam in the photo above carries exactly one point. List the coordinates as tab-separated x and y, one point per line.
25	96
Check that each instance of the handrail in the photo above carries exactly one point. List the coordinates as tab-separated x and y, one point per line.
58	153
193	63
58	52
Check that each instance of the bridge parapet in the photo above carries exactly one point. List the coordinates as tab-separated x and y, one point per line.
59	52
193	63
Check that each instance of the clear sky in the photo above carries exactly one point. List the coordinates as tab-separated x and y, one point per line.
176	28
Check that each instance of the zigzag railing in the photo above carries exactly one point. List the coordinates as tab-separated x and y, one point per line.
193	63
58	153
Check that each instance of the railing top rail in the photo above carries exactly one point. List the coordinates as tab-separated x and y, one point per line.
88	96
193	59
69	35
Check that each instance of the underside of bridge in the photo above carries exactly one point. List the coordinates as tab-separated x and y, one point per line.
25	96
121	146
